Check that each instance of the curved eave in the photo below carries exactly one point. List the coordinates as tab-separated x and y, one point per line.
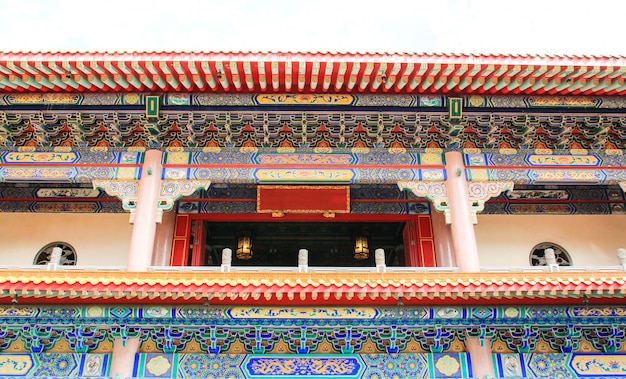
311	288
317	73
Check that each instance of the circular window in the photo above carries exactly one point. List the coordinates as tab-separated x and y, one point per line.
68	254
538	255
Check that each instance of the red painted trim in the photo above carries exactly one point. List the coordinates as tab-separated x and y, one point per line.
410	239
198	250
419	242
294	217
180	254
620	168
395	201
182	224
180	243
217	200
427	254
424	226
305	167
556	201
61	199
250	200
39	164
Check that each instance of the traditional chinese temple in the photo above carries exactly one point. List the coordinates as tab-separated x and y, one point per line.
257	215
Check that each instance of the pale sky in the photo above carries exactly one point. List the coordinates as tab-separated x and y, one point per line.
593	27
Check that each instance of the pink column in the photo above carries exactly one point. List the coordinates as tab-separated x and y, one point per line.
141	247
481	357
144	228
123	359
443	240
163	239
462	227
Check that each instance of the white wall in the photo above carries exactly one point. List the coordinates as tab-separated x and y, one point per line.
99	239
590	240
503	240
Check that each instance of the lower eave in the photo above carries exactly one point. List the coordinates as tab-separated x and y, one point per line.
30	287
309	73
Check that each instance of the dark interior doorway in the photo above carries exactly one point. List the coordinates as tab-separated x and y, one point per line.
329	244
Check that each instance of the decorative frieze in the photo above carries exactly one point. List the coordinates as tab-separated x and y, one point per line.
125	190
290	99
479	193
320	128
305	330
433	191
171	190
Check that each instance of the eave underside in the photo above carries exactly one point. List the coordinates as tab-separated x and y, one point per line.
324	130
310	73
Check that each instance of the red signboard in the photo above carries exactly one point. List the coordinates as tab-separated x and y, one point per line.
279	200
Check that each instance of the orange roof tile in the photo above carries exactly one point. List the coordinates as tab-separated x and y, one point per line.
250	287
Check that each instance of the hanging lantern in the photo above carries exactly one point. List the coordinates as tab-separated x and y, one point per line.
361	247
244	246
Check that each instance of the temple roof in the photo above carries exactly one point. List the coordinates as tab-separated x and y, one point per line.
313	288
263	72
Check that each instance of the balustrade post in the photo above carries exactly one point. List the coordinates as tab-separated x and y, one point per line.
553	266
621	255
303	260
227	259
381	266
55	259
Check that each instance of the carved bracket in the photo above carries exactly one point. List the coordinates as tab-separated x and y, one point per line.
622	185
434	191
171	190
480	192
125	190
